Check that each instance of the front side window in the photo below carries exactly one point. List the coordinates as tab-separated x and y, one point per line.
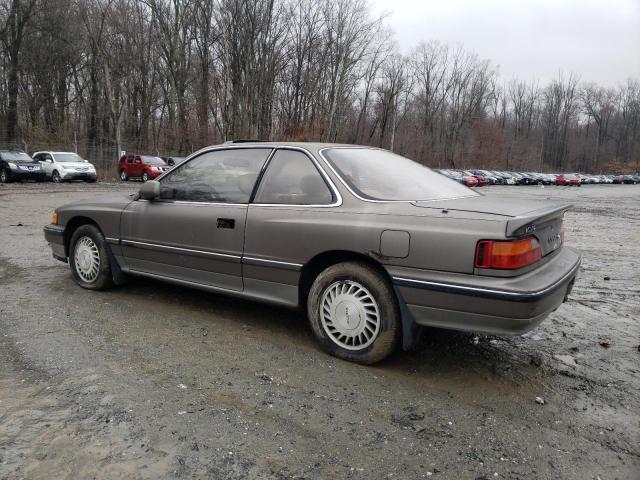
292	179
381	175
224	176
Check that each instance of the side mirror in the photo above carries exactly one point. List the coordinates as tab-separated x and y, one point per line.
150	190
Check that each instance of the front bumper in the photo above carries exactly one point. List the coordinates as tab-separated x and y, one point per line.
72	175
19	174
496	305
54	235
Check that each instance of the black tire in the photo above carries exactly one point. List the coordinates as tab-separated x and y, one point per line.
5	176
387	338
104	277
123	176
145	176
55	177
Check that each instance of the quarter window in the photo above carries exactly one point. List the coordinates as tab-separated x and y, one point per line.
225	176
292	179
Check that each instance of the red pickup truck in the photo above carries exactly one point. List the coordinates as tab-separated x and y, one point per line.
143	167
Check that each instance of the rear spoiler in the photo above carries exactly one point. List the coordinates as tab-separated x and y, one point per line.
527	223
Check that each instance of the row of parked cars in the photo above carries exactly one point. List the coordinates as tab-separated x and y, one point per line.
16	165
480	178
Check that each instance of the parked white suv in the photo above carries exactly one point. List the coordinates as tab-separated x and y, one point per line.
65	166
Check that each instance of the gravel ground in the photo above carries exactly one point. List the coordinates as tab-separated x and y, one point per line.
154	381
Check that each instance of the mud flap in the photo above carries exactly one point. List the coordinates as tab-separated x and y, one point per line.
119	278
410	329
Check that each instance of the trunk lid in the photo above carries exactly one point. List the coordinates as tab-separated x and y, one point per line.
541	219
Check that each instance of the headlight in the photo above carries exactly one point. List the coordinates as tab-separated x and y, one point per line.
12	165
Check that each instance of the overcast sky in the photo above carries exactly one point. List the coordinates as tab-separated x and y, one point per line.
529	39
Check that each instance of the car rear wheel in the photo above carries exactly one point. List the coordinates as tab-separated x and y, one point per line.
55	176
354	313
123	175
145	176
4	176
89	259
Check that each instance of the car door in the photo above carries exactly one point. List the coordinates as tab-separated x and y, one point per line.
49	163
195	231
136	166
44	165
289	220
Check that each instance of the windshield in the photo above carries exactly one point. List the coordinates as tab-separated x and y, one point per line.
152	160
68	157
16	156
381	175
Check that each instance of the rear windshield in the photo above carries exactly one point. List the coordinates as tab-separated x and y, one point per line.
381	175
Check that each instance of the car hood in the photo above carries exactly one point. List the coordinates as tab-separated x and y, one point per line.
511	207
101	202
76	164
23	162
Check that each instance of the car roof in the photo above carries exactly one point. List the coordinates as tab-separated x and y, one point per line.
313	146
54	152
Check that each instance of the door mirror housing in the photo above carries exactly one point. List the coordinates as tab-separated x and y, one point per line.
150	190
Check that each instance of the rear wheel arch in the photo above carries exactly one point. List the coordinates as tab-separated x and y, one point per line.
324	260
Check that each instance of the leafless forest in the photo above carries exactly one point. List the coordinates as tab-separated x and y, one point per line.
170	76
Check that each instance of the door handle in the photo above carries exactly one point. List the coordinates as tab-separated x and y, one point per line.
226	223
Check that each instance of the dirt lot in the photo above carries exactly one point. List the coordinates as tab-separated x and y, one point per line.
154	381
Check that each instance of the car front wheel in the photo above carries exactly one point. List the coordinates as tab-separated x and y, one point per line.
89	259
4	176
55	176
354	313
145	176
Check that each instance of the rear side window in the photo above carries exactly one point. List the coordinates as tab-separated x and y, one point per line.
292	179
224	176
381	175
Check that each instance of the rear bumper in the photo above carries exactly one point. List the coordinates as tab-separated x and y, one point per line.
54	235
497	305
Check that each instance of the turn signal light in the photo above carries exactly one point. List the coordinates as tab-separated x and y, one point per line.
507	254
54	219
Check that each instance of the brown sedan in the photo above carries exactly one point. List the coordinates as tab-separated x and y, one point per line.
372	244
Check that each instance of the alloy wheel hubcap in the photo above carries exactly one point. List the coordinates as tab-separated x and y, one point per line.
87	259
349	315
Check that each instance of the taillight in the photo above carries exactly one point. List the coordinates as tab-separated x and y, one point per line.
507	254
